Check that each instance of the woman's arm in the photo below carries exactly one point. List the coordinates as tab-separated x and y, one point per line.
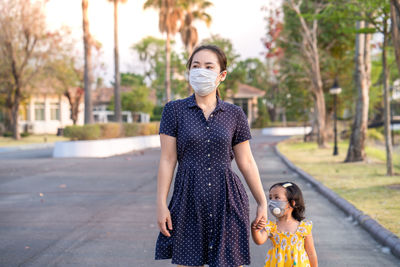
310	249
166	169
248	167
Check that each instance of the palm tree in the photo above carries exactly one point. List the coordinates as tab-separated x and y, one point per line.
87	76
169	16
194	10
117	89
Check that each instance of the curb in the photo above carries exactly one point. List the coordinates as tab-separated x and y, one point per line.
26	147
377	231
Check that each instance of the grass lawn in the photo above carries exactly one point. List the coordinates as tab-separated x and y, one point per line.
364	184
32	139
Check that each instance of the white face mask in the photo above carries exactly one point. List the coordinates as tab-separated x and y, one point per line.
203	81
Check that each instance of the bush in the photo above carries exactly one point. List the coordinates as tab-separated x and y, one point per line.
110	130
149	128
131	129
375	134
85	132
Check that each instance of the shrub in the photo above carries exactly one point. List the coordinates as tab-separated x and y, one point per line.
85	132
375	134
131	129
110	130
149	128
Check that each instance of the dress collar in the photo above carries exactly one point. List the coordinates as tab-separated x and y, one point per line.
192	102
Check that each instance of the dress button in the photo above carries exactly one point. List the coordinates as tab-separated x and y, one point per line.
209	184
208	140
209	168
208	155
211	230
210	247
211	115
210	215
208	127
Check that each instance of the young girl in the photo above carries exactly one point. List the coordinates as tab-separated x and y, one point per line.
291	236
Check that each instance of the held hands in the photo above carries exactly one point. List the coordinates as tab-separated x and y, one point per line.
164	218
261	218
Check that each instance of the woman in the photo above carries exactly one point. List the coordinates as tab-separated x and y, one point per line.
207	219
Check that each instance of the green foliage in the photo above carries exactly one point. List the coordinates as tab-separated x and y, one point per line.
375	134
85	132
136	100
151	52
262	119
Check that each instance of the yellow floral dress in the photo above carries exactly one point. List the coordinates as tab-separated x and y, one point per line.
288	248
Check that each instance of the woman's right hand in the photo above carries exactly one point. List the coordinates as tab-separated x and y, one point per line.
164	219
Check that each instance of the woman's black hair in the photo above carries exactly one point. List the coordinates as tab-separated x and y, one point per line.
217	51
293	193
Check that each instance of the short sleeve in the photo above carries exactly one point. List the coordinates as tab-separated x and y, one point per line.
270	227
305	228
168	123
242	129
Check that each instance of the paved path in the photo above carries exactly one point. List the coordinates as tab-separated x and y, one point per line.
101	212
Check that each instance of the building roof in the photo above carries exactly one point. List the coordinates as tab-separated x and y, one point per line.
246	91
103	95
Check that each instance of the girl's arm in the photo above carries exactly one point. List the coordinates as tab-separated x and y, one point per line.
260	235
166	169
310	249
248	167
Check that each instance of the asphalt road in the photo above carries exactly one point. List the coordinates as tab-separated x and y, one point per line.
101	212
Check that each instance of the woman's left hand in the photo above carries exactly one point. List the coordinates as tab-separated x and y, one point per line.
262	213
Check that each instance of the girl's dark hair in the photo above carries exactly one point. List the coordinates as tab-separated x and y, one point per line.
293	193
217	51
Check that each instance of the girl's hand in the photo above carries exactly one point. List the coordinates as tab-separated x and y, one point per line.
257	226
164	216
262	213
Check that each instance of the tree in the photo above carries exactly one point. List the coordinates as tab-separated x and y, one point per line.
65	77
152	54
136	100
117	89
193	10
309	48
170	15
88	79
25	47
378	14
395	19
356	149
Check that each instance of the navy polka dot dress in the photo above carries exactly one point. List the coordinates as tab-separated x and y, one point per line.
209	206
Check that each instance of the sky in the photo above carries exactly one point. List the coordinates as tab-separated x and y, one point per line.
240	21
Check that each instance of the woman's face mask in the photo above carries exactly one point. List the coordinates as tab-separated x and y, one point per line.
203	81
277	207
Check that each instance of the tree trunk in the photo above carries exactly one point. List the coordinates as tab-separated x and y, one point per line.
15	113
117	91
88	63
310	51
386	103
356	150
320	112
167	67
395	18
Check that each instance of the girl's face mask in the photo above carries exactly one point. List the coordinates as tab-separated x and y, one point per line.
277	207
203	81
